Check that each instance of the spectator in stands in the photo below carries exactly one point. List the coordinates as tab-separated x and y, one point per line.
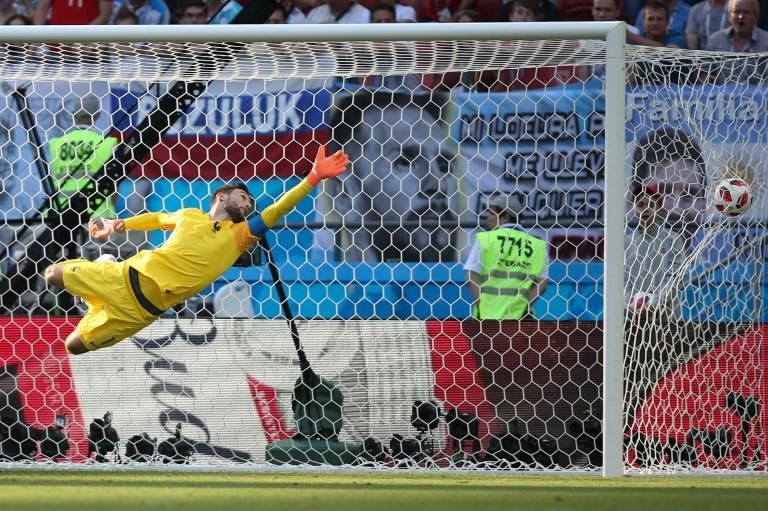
608	10
678	12
149	12
339	11
655	23
653	254
506	267
193	12
545	10
670	161
403	13
383	13
440	10
667	69
296	10
11	8
400	198
66	12
742	36
278	17
524	10
705	19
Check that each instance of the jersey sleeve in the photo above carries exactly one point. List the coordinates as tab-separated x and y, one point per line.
246	235
260	224
284	204
151	222
256	227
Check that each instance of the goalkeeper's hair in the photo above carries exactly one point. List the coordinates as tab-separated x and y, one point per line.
229	188
666	144
755	5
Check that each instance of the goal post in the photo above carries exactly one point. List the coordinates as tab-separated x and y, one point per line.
440	121
613	320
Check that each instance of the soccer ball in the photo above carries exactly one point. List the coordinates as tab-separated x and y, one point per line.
732	197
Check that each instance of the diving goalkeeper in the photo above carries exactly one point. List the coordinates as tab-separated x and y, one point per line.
124	297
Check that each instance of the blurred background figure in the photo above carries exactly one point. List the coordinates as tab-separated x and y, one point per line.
655	23
11	8
67	12
403	13
149	12
339	11
192	12
297	9
677	14
524	10
383	12
705	18
671	162
278	17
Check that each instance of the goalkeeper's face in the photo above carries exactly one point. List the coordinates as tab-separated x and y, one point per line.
237	205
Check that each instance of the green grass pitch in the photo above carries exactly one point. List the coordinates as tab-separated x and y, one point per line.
396	491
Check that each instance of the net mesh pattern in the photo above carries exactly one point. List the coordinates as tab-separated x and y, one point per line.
402	365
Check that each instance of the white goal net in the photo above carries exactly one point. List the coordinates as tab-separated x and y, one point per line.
405	368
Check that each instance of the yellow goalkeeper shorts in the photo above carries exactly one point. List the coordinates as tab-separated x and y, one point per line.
114	312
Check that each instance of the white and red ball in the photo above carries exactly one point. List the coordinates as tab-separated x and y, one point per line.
732	196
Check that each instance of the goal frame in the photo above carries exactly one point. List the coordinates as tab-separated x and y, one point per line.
613	33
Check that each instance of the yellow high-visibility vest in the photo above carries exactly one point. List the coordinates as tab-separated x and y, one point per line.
513	262
75	158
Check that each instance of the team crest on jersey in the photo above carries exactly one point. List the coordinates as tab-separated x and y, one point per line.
215	228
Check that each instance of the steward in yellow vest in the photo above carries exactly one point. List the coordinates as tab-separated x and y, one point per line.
76	157
506	267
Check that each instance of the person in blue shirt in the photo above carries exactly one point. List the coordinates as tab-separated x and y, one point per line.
678	18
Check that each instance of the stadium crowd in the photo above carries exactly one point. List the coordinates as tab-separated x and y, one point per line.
676	23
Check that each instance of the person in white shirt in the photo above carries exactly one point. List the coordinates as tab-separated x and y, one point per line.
339	11
295	9
403	13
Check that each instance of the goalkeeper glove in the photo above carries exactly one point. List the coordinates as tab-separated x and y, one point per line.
101	227
327	166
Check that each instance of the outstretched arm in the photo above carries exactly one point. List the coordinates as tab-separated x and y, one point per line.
324	167
103	227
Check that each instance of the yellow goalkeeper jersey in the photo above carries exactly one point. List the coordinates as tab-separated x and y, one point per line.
200	249
197	252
